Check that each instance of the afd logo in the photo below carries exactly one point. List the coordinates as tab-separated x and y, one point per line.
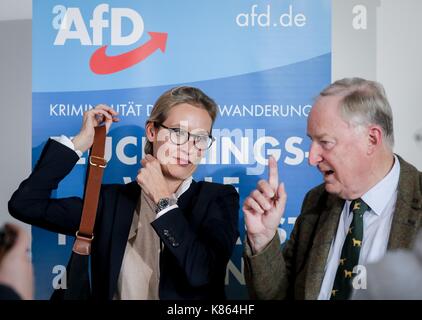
70	25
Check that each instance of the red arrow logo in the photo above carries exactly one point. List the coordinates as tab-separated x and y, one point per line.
101	63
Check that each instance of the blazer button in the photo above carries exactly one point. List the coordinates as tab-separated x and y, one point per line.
166	232
175	244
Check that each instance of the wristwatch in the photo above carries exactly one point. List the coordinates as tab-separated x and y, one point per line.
165	203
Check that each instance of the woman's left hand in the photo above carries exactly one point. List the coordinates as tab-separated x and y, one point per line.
151	179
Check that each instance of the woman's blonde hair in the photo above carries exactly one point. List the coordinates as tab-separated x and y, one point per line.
174	97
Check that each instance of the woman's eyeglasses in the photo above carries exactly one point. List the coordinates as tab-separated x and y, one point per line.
180	136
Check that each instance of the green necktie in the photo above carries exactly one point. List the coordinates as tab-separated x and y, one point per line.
349	257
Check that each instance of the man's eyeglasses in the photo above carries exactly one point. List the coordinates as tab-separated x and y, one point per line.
180	136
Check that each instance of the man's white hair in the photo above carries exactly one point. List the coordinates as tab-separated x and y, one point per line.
363	103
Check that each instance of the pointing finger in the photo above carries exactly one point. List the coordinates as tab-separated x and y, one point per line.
273	173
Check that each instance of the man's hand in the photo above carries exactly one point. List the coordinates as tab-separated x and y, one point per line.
264	208
15	267
151	179
93	118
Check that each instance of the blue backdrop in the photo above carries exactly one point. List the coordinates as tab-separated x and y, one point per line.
263	62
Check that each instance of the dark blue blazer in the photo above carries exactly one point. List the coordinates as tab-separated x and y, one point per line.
7	293
198	237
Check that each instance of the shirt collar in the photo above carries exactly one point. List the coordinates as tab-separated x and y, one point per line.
183	187
378	196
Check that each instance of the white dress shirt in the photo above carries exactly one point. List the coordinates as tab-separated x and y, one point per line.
376	227
182	188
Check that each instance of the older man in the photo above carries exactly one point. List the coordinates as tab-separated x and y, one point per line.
370	201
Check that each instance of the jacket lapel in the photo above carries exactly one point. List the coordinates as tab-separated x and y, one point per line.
123	216
185	200
408	212
326	231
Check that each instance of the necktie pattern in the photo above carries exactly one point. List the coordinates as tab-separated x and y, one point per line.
349	257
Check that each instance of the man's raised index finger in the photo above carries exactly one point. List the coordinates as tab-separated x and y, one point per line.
273	173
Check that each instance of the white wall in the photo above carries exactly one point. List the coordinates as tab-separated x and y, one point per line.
15	9
15	106
399	68
389	50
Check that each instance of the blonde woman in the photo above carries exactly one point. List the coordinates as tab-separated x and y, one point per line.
163	236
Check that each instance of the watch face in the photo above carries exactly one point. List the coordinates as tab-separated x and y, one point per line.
163	202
